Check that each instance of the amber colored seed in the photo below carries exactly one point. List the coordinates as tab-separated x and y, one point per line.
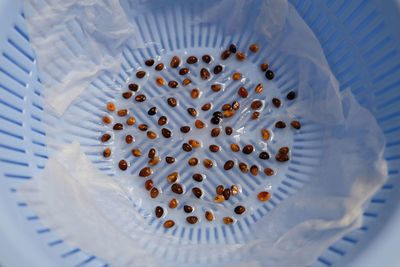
107	153
264	155
255	115
194	93
254	170
225	54
234	190
177	189
118	126
159	212
197	192
240	210
140	98
217	69
276	102
296	125
172	102
282	157
206	59
148	184
208	163
228	130
186	147
159	67
228	165
127	95
172	177
105	138
122	112
173	84
160	81
123	165
232	48
106	120
175	62
214	148
253	48
227	220
205	74
162	121
146	171
186	82
242	92
193	161
226	107
258	88
243	167
209	216
152	153
154	192
206	107
129	139
140	74
111	106
185	129
226	193
191	219
188	209
151	135
169	160
269	171
173	203
269	75
149	62
192	112
219	198
235	148
216	87
265	134
235	105
280	124
229	113
133	87
131	121
263	196
291	95
247	149
194	143
236	76
166	132
197	177
264	66
169	224
256	104
215	132
284	150
154	161
143	127
240	56
199	124
136	152
191	60
184	71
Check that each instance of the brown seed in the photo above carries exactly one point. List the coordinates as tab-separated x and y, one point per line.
216	87
162	120
166	133
118	126
177	189
105	138
192	112
253	48
243	167
173	84
194	143
107	153
209	216
197	177
219	190
151	135
123	165
247	149
263	155
172	102
140	74
106	120
236	76
149	62
291	95
226	107
129	139
263	196
259	88
175	62
188	209
235	147
184	71
152	153
240	210
143	127
195	93
219	198
205	74
127	95
191	219
234	190
276	102
264	66
159	67
159	212
255	115
269	171
215	132
199	124
232	48
242	92
228	165
226	193
122	112
154	192
229	113
133	87
154	161
284	150
280	124
193	161
140	98
206	107
172	177
197	192
148	184
228	130
256	104
173	203
131	121
206	58
185	129
282	157
111	106
235	105
265	134
240	56
146	171
208	163
160	81
169	224
217	69
169	160
254	170
225	54
296	125
191	60
214	148
136	152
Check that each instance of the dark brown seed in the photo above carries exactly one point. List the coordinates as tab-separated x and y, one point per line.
280	124
162	120
140	74
143	127
105	138
169	224
269	171
226	193
169	160
133	87
255	115
236	76
282	157
191	219
235	105
199	124
193	161
188	209
197	192
240	210
228	165
276	102
226	107
240	56
197	177
184	71
232	48
208	163
254	170
173	203
186	147
149	62
218	114
107	153
253	48
191	60
219	190
215	132
296	125
148	184
242	92
129	139
122	112
152	153
166	133
206	107
118	126
225	54
127	95
154	192
264	155
215	120
136	152
214	148
235	147
173	84
204	74
172	102
264	66
175	62
247	149
228	130
217	69
146	171
291	95
263	196
159	212
284	150
152	111
185	129
177	189
243	167
140	98
229	113
269	75
123	165
216	87
192	112
256	104
206	59
227	220
209	216
159	67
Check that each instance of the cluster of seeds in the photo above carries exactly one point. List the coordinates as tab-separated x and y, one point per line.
225	112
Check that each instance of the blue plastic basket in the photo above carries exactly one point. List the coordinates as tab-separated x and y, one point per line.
360	41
